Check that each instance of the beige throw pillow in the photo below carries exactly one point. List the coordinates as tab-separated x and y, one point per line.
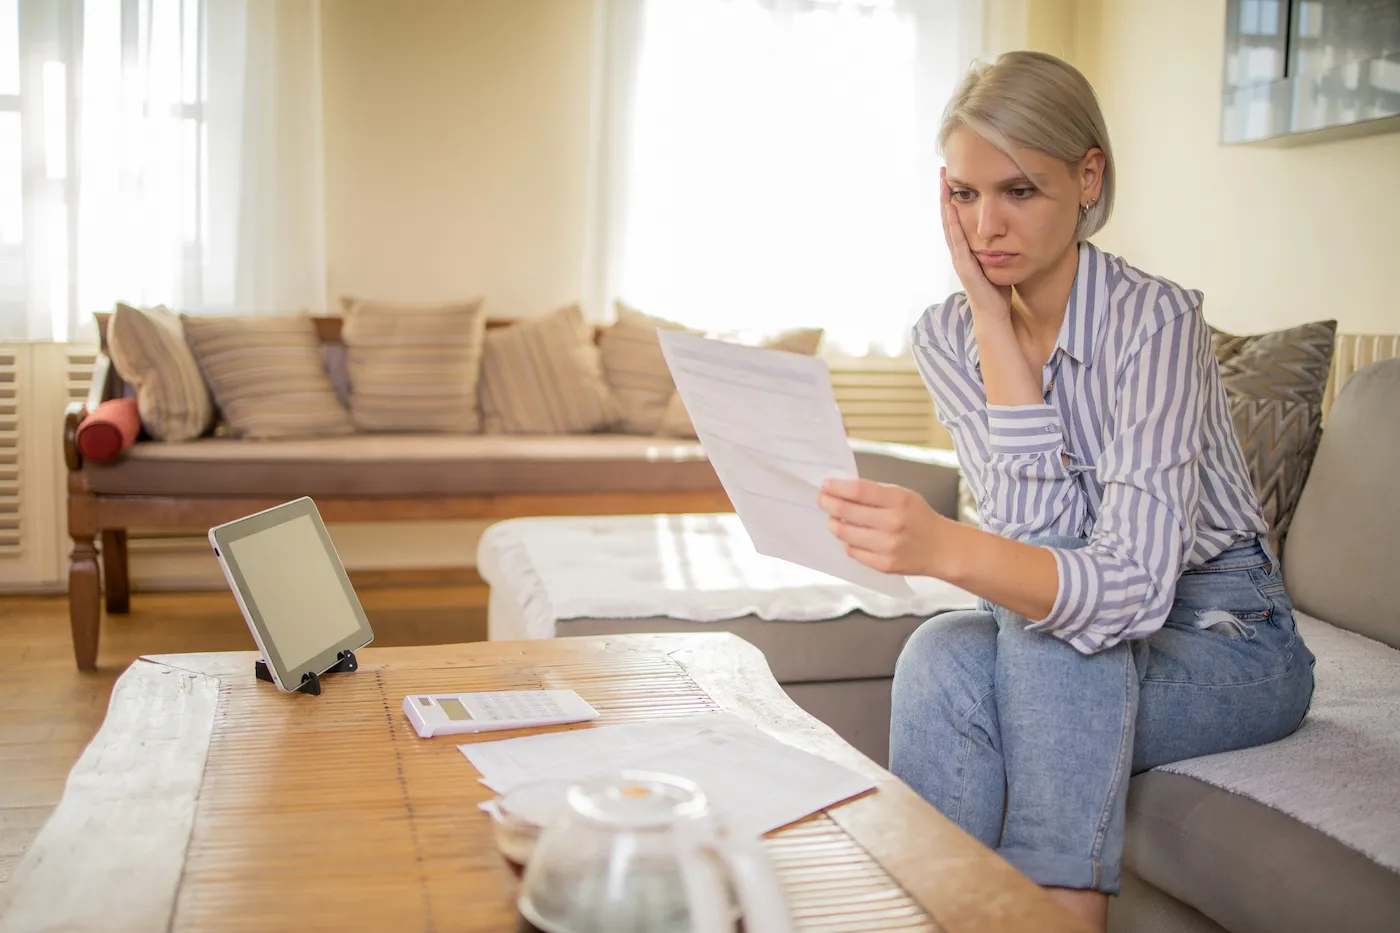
636	369
544	376
268	375
806	340
148	348
414	368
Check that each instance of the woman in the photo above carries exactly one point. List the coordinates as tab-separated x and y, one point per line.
1132	611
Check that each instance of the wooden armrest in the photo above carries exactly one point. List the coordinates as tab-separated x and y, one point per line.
73	416
98	392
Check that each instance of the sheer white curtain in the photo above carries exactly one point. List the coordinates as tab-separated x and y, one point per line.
772	163
158	151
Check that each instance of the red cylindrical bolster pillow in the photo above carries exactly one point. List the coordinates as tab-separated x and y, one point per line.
109	430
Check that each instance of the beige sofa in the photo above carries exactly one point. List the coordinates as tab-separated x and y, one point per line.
1302	836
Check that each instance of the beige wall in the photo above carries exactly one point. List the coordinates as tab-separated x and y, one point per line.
456	139
456	135
1272	236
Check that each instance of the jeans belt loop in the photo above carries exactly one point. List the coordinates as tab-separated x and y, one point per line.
1274	563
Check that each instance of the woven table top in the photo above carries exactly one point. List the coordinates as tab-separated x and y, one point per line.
210	801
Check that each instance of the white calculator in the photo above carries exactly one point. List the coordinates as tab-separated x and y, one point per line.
457	713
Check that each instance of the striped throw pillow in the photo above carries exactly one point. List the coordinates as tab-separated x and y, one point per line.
268	375
805	340
414	368
148	348
544	376
636	369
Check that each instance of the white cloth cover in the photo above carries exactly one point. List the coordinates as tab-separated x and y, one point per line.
698	568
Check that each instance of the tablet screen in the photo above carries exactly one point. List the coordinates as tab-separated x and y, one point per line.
296	586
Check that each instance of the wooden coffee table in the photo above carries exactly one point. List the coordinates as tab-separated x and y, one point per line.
210	801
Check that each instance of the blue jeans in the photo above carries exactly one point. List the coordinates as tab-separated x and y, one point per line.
1028	745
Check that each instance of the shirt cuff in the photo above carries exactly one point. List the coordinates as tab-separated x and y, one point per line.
1024	429
1079	598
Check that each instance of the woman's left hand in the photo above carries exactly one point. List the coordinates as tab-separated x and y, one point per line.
888	528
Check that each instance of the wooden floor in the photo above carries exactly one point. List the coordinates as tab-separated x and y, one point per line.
49	710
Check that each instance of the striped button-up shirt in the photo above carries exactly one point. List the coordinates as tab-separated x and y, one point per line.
1133	447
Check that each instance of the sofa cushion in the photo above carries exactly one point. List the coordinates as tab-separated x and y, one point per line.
636	369
414	368
148	349
268	375
544	376
1340	561
407	465
1248	867
1144	908
1275	383
1320	808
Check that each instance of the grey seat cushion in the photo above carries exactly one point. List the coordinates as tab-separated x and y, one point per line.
407	465
1251	868
1301	834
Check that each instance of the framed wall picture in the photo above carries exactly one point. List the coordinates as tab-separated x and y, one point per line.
1299	71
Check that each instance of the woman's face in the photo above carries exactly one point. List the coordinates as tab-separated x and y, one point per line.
1017	226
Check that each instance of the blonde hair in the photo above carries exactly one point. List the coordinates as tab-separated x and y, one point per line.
1035	101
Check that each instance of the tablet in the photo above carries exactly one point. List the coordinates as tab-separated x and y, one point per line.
292	588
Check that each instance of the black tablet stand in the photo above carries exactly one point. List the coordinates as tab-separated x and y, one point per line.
311	681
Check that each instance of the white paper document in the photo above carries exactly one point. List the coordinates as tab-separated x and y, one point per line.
769	424
754	782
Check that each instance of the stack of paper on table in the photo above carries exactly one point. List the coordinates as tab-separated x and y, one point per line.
754	782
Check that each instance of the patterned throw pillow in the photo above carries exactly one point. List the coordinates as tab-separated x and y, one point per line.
804	340
636	369
268	375
1275	383
148	349
414	368
543	375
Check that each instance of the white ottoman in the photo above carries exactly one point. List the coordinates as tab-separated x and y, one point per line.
831	644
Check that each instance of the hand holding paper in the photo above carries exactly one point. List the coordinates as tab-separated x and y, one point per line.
769	423
889	528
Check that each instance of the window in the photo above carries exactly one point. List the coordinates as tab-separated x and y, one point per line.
11	203
140	159
781	164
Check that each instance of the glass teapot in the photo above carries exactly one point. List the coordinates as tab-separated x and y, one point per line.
639	853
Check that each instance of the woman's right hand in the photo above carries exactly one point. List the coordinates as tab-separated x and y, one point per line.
990	302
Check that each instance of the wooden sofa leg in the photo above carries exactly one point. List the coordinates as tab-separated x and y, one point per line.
84	601
114	573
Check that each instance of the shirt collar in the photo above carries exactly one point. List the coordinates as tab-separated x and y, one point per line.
1085	312
1087	308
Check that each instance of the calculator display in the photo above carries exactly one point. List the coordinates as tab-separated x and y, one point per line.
453	708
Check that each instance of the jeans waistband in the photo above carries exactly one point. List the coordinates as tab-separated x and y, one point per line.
1246	555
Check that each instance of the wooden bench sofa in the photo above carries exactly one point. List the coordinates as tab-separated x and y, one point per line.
364	477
